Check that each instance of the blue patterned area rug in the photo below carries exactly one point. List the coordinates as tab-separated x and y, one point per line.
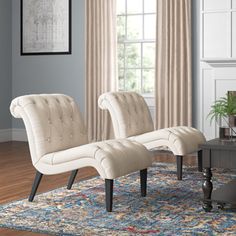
171	208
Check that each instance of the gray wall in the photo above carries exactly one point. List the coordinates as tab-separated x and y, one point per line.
52	73
5	63
196	60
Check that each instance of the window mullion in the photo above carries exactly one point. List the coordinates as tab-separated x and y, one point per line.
127	42
141	67
142	48
125	45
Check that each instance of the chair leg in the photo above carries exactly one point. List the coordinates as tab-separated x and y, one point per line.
199	156
143	182
36	183
109	194
179	160
72	179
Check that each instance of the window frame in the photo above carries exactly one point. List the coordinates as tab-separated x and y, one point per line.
142	41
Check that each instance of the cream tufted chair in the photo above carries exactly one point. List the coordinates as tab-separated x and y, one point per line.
131	119
58	143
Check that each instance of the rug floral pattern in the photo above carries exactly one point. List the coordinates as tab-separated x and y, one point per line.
171	207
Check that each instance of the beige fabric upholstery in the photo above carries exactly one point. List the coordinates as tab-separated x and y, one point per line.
181	140
58	139
173	82
129	113
112	159
100	64
132	119
53	123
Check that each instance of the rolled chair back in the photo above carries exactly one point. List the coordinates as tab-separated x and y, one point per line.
129	113
53	122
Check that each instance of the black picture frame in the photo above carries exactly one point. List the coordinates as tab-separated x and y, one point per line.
40	44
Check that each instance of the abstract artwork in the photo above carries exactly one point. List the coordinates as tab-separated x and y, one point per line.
45	27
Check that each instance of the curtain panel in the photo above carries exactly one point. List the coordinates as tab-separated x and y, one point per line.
173	88
100	64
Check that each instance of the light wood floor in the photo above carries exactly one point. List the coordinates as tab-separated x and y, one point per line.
17	174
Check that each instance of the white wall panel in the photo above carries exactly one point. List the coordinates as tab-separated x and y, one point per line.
217	35
234	4
207	99
215	84
225	72
223	86
234	34
216	4
218	67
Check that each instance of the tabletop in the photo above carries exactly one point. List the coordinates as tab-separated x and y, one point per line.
222	144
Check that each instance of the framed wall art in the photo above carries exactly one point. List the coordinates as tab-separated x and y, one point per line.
45	27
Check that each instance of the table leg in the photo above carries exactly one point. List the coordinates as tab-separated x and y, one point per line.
199	157
207	189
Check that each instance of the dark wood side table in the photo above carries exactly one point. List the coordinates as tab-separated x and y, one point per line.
218	153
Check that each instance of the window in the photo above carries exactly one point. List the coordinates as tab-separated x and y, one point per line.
136	24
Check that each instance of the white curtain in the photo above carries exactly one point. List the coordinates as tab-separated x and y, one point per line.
100	64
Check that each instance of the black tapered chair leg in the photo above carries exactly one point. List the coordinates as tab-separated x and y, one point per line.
179	160
72	179
199	157
143	182
36	183
109	194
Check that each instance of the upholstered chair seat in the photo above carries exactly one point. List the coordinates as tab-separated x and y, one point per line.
58	143
181	140
111	158
131	119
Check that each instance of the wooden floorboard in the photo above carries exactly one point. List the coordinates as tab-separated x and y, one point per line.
17	174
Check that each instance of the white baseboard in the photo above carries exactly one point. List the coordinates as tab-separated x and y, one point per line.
5	135
19	135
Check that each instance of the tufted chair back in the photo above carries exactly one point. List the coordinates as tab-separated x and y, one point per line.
129	112
53	123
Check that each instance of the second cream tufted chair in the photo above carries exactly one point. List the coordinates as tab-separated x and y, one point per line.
58	143
131	119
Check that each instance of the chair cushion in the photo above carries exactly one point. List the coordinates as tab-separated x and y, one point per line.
181	140
112	158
